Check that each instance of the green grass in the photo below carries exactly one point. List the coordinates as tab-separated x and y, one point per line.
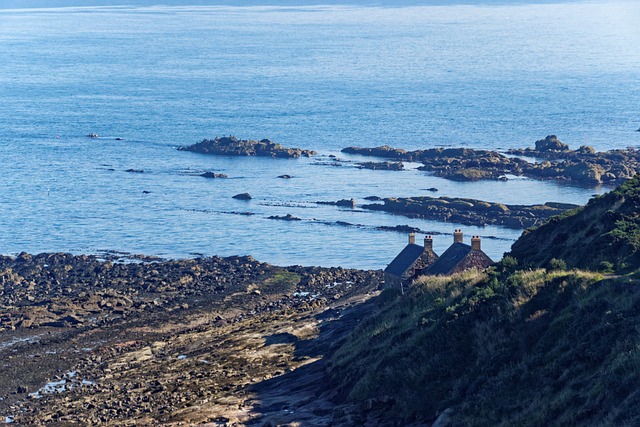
603	235
530	348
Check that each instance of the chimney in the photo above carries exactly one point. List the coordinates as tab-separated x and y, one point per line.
457	236
475	243
428	243
412	238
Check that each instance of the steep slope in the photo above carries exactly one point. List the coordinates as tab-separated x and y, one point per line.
516	344
604	234
528	348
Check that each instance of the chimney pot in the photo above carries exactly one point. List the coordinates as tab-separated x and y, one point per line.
412	238
457	236
475	243
428	243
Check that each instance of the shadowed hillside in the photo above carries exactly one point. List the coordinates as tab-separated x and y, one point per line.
516	344
603	235
529	348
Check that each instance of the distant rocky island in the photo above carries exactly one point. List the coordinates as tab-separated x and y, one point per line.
583	166
232	146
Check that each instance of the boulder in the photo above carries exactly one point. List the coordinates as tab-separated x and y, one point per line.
551	143
243	196
351	203
587	173
586	149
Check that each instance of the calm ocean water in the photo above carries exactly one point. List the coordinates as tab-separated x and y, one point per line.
322	77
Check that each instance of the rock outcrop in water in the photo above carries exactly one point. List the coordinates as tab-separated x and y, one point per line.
584	166
242	196
232	146
213	175
387	166
470	211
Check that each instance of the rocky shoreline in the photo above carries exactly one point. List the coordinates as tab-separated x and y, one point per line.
583	166
87	341
232	146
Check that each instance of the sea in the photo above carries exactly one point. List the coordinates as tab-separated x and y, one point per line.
149	79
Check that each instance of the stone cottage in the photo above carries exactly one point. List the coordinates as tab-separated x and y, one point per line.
409	263
460	257
415	260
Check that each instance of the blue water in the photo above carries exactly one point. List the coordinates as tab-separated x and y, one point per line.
321	77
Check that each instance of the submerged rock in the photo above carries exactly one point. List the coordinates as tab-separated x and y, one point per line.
346	203
243	196
213	175
387	166
287	217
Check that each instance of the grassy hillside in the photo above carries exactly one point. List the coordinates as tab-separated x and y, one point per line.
604	235
530	348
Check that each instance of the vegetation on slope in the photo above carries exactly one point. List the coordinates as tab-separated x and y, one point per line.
604	235
530	348
525	343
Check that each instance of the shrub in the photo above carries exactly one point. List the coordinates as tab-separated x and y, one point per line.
557	264
606	267
508	263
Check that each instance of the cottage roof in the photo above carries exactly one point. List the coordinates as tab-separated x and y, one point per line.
404	260
449	259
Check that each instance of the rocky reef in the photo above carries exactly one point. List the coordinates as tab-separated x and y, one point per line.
583	166
470	211
232	146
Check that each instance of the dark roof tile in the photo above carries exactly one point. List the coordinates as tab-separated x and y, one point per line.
449	259
403	261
